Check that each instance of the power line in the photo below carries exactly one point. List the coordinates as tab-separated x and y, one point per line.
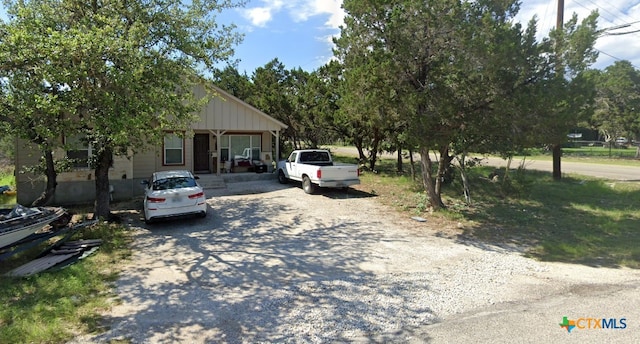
615	58
614	17
608	31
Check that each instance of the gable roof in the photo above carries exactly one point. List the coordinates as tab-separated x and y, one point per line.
227	112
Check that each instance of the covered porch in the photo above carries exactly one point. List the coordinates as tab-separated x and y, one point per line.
234	137
224	151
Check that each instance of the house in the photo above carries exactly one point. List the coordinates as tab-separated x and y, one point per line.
231	136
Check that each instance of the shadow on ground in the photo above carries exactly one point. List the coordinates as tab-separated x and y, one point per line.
258	270
590	222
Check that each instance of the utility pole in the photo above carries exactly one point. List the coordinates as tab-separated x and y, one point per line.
560	17
556	148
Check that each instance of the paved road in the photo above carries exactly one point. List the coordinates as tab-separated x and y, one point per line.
613	172
538	319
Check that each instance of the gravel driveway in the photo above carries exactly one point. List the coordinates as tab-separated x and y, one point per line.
272	264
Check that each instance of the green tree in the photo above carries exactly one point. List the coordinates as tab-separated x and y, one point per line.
314	102
369	100
35	99
123	70
449	69
272	95
573	94
618	101
230	80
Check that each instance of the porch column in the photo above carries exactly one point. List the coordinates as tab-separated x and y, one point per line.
277	153
218	134
277	146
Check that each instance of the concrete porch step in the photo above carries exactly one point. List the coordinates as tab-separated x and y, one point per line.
247	177
213	181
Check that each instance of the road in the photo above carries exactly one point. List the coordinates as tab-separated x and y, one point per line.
613	172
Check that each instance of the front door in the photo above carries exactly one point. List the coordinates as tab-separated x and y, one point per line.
201	153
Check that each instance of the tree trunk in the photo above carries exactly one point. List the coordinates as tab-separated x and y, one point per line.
102	206
361	156
465	180
399	160
428	180
444	161
557	155
50	189
412	165
373	152
507	169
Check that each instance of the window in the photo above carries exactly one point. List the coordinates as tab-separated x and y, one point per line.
174	183
240	147
173	150
78	151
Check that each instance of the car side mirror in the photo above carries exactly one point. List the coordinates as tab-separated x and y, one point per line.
145	182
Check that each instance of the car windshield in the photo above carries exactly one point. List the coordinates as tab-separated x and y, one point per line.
174	183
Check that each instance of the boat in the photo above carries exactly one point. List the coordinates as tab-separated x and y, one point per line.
20	222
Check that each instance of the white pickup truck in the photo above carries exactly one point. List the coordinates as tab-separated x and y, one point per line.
315	167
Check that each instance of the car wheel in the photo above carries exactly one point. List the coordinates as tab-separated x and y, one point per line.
282	178
307	185
202	214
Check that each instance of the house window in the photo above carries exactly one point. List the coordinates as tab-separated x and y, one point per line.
78	151
173	150
235	147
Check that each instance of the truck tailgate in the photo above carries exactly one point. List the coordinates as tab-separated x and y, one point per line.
338	172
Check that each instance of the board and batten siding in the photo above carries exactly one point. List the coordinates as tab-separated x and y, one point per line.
226	112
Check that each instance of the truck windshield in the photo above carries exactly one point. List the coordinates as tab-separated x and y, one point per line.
315	157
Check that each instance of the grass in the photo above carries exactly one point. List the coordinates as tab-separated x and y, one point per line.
577	220
7	178
53	307
594	154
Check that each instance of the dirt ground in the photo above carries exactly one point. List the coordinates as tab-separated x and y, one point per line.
270	264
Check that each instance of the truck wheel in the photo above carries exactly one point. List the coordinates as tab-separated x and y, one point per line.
282	178
307	185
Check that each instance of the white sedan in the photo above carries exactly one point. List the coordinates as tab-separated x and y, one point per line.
173	193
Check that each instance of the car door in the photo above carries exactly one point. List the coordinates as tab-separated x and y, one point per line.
292	166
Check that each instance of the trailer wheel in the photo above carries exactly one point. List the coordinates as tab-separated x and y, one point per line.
307	185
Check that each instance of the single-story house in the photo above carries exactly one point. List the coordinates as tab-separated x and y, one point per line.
231	136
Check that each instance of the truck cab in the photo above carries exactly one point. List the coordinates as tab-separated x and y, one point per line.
315	168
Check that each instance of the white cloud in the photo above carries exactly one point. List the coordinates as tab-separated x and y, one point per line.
298	10
309	8
261	15
611	13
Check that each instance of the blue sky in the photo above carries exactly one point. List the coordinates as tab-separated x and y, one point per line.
298	32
